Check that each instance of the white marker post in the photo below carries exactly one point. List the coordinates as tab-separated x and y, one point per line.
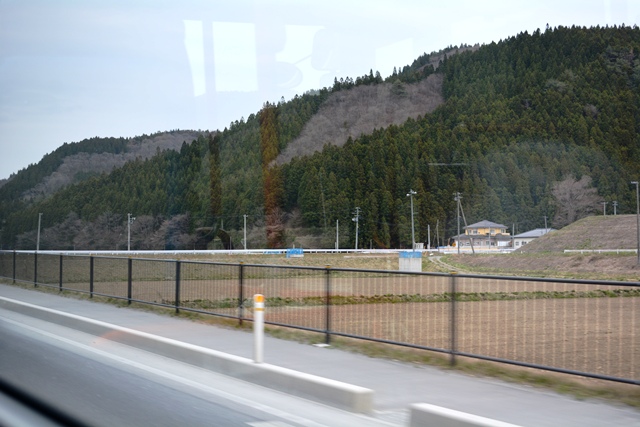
258	328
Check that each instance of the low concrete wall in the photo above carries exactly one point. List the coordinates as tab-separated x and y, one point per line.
331	392
426	415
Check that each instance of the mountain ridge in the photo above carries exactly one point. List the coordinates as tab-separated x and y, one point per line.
526	124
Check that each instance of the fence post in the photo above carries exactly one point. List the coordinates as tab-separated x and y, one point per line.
177	286
454	338
60	282
327	338
241	293
129	280
35	269
91	276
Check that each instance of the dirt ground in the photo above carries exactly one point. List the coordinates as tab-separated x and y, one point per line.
597	335
622	267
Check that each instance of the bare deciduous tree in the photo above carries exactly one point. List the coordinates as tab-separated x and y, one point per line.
77	166
575	199
360	110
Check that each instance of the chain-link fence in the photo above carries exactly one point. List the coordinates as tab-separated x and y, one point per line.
582	327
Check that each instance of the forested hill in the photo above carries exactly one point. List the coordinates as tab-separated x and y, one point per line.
73	162
538	125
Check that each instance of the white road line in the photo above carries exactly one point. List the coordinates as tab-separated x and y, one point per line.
269	424
236	399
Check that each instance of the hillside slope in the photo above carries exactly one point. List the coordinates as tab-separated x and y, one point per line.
362	109
590	233
77	167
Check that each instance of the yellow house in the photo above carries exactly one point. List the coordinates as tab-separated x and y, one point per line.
485	234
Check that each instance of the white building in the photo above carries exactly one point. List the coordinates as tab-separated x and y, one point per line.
522	239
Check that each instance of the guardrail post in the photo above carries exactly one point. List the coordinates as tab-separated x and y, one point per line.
454	347
129	280
91	276
327	338
241	293
14	266
177	286
60	282
35	269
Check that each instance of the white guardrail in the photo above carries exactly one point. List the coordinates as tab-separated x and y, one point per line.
440	250
600	251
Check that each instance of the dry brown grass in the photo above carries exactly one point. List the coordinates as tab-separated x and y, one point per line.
589	266
590	233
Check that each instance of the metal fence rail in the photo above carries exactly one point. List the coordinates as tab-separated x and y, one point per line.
588	328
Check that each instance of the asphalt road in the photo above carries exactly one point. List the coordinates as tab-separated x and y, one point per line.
102	383
396	385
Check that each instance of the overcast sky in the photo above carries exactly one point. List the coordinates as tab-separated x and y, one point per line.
75	69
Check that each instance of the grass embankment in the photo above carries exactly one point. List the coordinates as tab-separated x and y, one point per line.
610	266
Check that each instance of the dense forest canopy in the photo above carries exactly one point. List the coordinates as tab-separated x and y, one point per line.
541	125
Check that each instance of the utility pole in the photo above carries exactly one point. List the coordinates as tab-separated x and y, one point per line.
545	224
38	239
356	219
604	204
130	219
337	234
413	235
637	217
457	198
615	206
244	242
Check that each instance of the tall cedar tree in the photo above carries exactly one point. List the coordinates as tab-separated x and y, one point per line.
272	177
214	177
